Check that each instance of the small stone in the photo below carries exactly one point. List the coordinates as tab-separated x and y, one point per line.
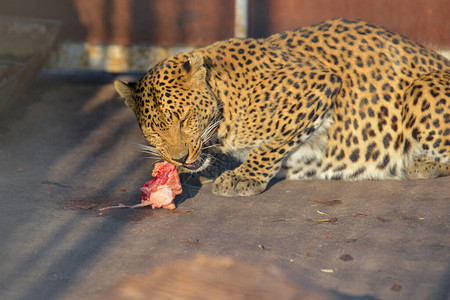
346	257
396	287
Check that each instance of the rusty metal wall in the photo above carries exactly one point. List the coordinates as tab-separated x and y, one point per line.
180	22
200	22
426	21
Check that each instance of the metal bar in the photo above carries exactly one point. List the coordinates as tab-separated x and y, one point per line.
241	18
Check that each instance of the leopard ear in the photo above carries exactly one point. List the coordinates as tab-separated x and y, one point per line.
196	70
125	91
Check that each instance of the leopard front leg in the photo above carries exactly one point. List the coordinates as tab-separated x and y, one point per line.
291	113
251	178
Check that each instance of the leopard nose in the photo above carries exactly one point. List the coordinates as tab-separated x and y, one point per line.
181	160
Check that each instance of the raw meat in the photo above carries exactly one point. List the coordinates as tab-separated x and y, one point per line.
162	189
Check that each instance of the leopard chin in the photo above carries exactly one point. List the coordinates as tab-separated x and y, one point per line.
198	165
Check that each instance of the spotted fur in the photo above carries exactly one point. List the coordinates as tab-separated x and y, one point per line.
342	99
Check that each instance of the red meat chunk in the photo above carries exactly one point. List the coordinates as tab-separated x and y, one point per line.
162	189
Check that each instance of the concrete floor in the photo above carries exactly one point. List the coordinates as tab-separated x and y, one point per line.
67	148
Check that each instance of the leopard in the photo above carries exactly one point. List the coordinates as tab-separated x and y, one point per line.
339	100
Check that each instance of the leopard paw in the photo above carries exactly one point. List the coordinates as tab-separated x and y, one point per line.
424	167
230	184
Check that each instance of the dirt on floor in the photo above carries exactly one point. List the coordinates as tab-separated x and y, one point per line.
68	148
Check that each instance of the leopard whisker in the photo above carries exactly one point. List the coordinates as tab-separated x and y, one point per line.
190	186
216	159
210	130
157	160
151	153
148	149
150	157
211	146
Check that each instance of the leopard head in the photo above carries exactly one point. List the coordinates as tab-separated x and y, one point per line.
175	108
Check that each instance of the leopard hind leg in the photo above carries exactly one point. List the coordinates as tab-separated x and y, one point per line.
426	118
425	167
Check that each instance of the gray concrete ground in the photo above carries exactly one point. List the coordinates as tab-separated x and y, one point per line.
68	148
